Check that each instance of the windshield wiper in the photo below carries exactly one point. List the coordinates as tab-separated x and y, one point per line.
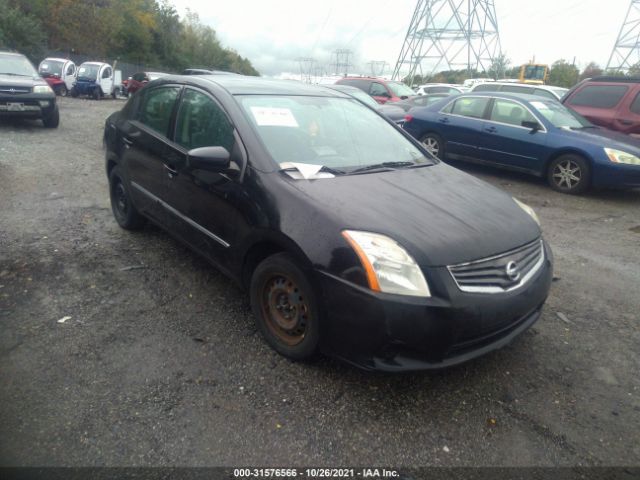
15	74
381	166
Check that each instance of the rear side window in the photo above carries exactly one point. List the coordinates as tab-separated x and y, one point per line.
599	96
486	87
516	89
201	123
635	106
156	108
470	107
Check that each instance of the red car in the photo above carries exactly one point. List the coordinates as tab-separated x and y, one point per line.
140	79
611	102
381	90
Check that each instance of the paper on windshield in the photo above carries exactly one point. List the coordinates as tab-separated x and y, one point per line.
273	117
305	171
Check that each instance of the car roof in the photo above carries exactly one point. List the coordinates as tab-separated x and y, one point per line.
506	95
56	59
94	63
14	54
518	84
247	85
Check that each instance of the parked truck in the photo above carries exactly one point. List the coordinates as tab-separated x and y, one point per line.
97	79
59	73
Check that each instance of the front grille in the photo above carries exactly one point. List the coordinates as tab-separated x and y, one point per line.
501	273
14	90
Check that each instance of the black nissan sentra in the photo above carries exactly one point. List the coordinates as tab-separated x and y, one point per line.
351	239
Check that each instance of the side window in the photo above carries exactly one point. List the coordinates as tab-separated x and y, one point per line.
71	69
511	113
202	123
599	96
156	108
516	89
544	93
448	108
486	87
106	73
635	106
138	77
378	90
470	106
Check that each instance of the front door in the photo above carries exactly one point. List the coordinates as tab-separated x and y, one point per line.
507	142
106	80
203	203
145	148
69	75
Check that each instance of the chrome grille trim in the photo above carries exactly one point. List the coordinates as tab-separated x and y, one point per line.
474	277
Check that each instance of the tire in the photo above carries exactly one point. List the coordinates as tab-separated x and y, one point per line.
53	120
569	174
96	94
285	307
62	91
434	144
122	207
74	92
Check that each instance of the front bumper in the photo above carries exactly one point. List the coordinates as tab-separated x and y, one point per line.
392	333
615	175
29	105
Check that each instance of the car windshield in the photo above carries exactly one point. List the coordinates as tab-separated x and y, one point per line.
51	67
560	116
400	89
16	65
338	133
88	72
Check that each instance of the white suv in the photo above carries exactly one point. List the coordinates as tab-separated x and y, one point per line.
546	91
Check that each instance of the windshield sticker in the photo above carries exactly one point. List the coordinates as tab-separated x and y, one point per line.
274	117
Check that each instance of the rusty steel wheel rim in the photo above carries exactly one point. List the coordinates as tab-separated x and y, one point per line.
285	309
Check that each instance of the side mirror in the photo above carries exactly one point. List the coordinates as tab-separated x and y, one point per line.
213	159
534	126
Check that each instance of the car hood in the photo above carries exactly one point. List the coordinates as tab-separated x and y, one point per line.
603	137
13	81
441	215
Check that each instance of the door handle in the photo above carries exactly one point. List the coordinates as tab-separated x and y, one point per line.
490	129
127	141
443	120
170	170
626	122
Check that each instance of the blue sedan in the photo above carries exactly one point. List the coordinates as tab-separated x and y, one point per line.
528	134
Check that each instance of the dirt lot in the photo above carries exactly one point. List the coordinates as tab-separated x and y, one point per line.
160	363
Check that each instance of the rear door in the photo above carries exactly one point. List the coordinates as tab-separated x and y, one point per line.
202	203
145	148
461	126
506	142
598	103
628	118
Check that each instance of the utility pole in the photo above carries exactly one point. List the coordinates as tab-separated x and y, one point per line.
626	51
306	68
449	35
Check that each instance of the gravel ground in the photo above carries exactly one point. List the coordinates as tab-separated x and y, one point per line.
160	363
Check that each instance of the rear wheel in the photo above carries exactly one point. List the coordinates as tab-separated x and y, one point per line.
434	144
569	174
74	92
123	209
285	307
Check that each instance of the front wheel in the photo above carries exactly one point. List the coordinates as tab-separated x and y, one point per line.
62	91
53	119
74	92
569	174
434	144
123	209
285	307
96	94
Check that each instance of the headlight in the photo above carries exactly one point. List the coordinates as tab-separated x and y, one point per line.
389	268
527	209
618	156
42	89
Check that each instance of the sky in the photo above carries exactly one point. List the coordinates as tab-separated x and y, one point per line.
272	34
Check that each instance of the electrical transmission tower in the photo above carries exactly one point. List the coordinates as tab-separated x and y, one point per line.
449	35
306	68
342	64
626	51
377	67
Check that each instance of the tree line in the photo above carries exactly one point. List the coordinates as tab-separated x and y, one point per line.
561	73
146	32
